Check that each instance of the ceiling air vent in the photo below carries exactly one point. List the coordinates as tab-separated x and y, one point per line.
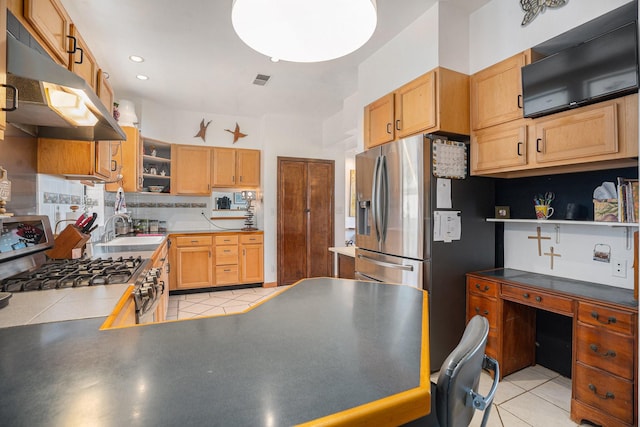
261	80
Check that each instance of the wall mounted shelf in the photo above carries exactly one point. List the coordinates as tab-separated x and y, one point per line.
566	222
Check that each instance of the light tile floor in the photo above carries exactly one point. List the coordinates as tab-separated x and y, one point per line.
219	302
532	397
535	396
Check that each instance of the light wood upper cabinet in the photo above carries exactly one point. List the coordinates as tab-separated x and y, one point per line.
192	173
82	61
496	92
235	167
594	137
499	147
589	132
379	121
126	157
415	105
104	90
50	20
437	101
89	160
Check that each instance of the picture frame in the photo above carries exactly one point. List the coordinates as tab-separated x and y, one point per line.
352	192
238	200
502	212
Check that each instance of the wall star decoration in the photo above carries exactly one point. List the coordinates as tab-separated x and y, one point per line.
236	133
532	8
203	130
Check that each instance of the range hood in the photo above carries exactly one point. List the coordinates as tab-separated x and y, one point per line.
47	93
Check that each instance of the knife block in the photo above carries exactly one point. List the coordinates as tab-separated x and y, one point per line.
68	244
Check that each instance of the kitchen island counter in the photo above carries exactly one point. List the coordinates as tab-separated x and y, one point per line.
340	349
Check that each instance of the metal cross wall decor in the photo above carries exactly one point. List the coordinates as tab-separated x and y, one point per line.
532	8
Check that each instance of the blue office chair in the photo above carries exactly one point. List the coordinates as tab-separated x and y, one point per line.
455	398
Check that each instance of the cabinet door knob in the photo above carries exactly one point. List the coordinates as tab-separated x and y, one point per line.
397	124
389	128
520	101
519	146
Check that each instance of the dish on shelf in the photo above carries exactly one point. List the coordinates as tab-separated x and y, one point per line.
156	188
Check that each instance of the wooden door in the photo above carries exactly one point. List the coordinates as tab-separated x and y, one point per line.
194	267
305	218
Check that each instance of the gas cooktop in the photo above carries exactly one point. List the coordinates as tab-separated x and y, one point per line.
66	273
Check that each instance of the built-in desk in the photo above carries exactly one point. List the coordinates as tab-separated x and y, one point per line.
604	360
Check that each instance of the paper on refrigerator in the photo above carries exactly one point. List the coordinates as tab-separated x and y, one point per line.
447	226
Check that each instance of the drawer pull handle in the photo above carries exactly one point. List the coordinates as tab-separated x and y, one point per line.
485	289
608	353
484	313
525	295
610	320
607	395
538	299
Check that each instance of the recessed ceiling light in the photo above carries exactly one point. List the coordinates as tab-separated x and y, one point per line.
136	58
142	77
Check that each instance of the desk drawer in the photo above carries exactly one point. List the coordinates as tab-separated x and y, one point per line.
611	352
227	240
226	275
195	240
482	287
610	394
538	299
485	307
226	255
613	320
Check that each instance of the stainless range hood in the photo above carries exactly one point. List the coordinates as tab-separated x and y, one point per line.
47	92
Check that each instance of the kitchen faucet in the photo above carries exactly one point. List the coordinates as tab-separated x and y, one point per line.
111	234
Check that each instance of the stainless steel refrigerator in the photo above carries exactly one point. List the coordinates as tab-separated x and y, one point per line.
396	197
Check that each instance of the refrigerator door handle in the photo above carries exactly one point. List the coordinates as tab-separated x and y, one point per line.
384	202
374	198
386	264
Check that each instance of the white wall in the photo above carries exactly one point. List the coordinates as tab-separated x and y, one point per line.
495	30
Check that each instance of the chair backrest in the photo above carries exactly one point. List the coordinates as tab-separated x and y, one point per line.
460	373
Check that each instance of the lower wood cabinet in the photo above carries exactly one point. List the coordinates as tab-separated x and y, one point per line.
216	259
605	357
251	259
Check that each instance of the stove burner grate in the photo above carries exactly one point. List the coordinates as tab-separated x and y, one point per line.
56	274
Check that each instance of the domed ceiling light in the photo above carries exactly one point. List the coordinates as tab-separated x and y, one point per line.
304	30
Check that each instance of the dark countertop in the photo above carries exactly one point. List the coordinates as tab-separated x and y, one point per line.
595	291
320	347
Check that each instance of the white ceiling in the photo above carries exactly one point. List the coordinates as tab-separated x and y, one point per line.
196	62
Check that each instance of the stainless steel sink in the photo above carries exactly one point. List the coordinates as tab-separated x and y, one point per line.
133	241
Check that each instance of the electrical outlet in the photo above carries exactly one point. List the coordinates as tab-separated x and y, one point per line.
619	268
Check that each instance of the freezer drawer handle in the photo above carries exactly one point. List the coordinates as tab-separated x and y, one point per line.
387	264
